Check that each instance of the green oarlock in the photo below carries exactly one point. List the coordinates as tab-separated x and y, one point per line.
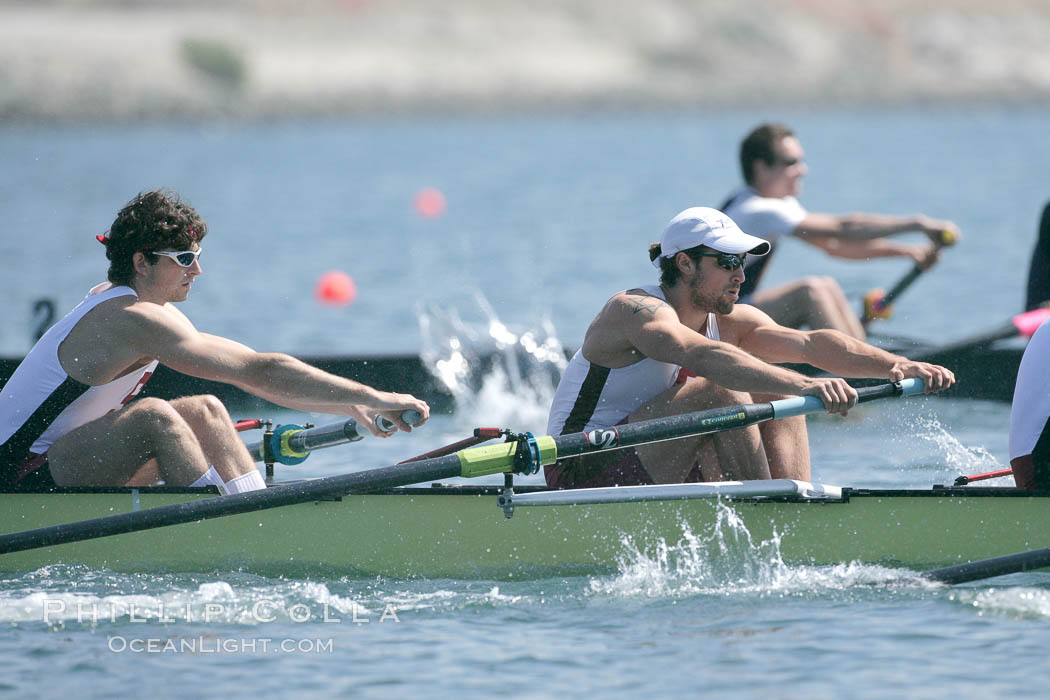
496	459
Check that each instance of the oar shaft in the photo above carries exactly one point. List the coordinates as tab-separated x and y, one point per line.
987	568
905	282
714	420
1021	325
879	304
180	513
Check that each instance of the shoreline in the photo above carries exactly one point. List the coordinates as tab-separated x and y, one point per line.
99	60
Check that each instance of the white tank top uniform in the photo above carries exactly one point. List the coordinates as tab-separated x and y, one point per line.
591	396
40	402
1030	414
771	218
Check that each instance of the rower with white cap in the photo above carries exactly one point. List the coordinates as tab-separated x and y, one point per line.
628	368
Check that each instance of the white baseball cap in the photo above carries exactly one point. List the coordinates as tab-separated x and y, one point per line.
710	227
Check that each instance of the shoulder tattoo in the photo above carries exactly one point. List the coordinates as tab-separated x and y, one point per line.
644	304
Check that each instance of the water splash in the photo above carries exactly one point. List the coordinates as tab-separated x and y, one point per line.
726	560
498	375
955	457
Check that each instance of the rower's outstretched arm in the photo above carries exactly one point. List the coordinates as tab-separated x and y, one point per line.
661	336
859	227
276	377
836	353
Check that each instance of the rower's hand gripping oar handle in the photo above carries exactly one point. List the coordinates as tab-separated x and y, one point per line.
878	304
292	444
800	405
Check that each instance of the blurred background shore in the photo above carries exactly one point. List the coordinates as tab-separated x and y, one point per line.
83	60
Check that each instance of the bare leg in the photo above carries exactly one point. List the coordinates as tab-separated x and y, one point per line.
218	439
112	449
147	475
811	302
739	452
787	444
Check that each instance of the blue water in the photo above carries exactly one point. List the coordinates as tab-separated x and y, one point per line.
547	216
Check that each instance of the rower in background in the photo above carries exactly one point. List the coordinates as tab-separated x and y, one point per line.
773	165
1030	410
628	368
66	414
1039	268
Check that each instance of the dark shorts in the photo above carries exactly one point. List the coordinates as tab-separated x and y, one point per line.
615	468
619	468
1030	475
29	474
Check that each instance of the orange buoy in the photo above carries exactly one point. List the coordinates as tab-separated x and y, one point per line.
335	288
430	202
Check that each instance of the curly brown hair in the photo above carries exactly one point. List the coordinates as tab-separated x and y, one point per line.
153	220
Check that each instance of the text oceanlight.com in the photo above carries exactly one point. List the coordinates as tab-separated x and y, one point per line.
219	645
60	611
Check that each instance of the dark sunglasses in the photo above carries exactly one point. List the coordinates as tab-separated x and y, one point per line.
726	261
184	258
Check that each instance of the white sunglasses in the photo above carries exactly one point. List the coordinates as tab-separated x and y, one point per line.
184	258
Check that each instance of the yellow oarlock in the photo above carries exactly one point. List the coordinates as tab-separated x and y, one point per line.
496	459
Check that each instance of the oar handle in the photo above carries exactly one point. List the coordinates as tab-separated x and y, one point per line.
946	238
291	444
800	405
410	417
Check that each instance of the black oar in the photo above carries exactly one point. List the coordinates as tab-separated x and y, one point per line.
1023	325
988	568
526	454
878	304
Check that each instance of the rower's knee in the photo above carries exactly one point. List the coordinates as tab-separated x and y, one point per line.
204	409
821	290
700	394
156	417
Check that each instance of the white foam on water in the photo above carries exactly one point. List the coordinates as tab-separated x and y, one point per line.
443	599
1021	602
421	600
727	560
211	602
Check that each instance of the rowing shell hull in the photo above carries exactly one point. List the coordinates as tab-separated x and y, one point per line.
459	532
